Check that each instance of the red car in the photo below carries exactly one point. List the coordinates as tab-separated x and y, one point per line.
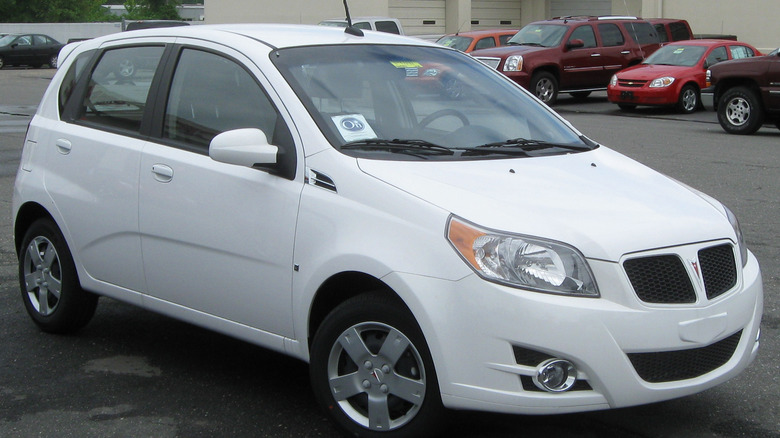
477	39
674	74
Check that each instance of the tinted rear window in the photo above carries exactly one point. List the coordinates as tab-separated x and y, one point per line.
679	31
642	33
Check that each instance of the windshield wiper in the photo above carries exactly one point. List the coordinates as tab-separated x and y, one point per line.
400	146
526	145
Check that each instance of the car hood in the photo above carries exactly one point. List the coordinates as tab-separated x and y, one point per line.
504	51
601	202
649	72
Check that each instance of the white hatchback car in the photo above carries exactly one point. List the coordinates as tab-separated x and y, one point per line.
314	192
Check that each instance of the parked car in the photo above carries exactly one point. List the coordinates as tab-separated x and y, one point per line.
285	185
673	75
477	39
574	55
34	50
381	24
745	93
671	29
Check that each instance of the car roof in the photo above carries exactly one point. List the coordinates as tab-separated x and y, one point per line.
273	35
706	43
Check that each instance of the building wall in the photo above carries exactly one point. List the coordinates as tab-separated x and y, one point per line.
752	21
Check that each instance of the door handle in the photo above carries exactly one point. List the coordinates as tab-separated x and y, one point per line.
162	172
63	146
595	54
625	52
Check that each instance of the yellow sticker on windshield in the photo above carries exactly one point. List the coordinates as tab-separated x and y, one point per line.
406	64
680	50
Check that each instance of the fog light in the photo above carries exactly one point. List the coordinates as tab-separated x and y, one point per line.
555	375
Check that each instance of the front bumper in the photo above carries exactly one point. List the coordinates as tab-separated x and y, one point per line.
708	98
642	96
475	329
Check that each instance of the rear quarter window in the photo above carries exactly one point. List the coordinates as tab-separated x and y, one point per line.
642	33
387	26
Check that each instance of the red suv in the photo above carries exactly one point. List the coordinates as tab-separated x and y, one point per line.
574	55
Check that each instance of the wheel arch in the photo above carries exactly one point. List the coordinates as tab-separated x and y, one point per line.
728	83
27	214
339	288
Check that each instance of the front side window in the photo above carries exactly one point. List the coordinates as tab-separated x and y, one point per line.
119	87
584	33
409	103
211	94
25	40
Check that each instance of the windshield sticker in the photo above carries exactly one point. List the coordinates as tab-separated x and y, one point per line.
406	64
678	51
353	127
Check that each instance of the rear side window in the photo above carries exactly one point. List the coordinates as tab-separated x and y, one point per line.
387	26
72	78
739	52
679	31
584	33
119	86
660	29
211	94
642	32
611	35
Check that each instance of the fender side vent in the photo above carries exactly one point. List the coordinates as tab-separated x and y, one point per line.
321	180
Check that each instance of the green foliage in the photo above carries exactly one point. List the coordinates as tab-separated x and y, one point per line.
79	11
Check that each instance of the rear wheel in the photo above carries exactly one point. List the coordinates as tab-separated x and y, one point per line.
49	283
545	87
739	111
371	370
688	101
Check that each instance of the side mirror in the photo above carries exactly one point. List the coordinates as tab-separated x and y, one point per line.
575	44
243	147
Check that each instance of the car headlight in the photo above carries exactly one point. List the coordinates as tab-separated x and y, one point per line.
514	63
662	82
613	80
743	251
521	261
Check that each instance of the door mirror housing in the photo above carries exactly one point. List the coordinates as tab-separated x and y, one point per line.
575	44
243	147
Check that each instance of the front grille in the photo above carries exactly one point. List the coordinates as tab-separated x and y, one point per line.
631	83
670	366
718	269
660	280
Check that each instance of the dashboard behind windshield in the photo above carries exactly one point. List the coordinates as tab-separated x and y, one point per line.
435	96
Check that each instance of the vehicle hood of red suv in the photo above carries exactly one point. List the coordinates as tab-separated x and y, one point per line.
756	64
651	71
504	51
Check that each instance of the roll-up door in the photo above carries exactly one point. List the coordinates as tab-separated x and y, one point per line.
562	8
419	17
495	14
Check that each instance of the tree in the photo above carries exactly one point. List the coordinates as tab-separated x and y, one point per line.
52	11
152	9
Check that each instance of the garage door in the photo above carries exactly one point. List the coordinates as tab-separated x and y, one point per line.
419	17
495	14
562	8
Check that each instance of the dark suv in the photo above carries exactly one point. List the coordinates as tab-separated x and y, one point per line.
574	55
745	93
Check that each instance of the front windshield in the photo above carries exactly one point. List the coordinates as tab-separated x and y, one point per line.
544	35
456	42
683	56
390	98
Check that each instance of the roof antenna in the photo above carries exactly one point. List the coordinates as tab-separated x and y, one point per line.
351	30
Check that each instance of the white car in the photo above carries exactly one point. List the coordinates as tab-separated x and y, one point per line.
309	191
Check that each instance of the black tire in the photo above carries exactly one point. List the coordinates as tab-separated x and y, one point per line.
403	380
740	111
545	87
580	95
627	106
688	101
49	283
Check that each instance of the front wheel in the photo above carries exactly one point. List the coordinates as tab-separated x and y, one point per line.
740	111
688	102
49	283
372	372
545	87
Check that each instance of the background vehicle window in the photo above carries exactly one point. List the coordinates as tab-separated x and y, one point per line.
485	43
119	87
211	94
40	40
661	31
679	32
642	33
504	39
738	52
610	35
584	33
387	26
717	55
71	78
25	40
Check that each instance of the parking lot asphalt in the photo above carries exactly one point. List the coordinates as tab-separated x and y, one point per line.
132	373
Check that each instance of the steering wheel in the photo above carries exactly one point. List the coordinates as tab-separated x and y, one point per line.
442	113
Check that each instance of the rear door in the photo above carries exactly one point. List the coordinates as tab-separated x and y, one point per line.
773	81
218	238
614	50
